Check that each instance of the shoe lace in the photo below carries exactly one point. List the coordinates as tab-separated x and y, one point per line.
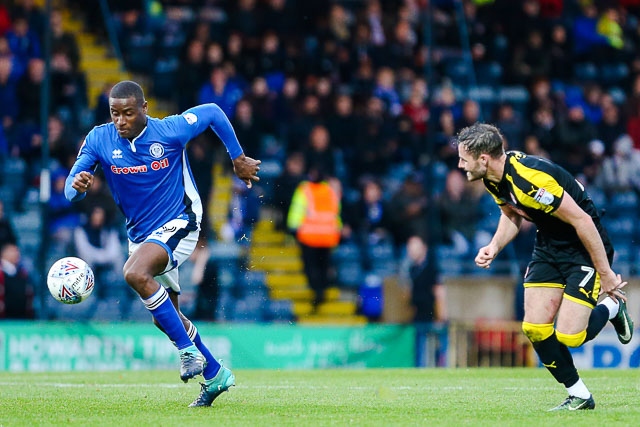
187	355
203	392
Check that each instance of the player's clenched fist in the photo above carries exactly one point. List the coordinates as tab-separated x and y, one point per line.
82	181
246	169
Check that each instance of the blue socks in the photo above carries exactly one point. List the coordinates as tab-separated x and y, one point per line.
212	367
162	309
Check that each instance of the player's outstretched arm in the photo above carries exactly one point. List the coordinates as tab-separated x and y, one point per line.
246	169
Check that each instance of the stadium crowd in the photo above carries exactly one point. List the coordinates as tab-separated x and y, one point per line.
361	88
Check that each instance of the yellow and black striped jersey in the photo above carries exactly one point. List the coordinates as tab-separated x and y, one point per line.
534	187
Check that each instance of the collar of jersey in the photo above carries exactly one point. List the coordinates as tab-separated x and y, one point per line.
132	143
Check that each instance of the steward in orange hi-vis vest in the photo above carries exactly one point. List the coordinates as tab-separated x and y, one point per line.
315	215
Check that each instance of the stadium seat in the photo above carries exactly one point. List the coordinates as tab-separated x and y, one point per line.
164	78
459	71
618	95
624	204
489	73
585	72
517	95
613	73
141	55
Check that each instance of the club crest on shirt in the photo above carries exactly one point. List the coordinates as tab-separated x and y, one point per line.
156	150
543	197
190	118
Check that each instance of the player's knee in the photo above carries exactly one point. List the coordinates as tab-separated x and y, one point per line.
537	332
572	340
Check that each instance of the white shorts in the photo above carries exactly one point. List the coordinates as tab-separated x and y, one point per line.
179	238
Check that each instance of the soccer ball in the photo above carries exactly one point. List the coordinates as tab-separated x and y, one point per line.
70	280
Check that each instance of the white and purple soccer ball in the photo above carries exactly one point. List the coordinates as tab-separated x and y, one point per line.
70	280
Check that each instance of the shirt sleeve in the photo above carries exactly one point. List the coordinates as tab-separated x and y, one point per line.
86	161
195	120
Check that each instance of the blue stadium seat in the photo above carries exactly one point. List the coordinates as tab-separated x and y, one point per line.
141	53
517	95
489	73
164	78
613	73
459	71
623	205
585	72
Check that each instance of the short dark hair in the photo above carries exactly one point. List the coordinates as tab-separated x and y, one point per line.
127	89
481	138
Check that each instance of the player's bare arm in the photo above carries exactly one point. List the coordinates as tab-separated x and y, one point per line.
507	230
246	169
82	181
570	212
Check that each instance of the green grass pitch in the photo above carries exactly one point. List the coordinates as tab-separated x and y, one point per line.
374	397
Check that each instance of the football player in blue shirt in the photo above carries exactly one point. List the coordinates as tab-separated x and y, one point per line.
146	167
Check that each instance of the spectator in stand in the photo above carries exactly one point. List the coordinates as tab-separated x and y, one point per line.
417	109
28	91
559	48
101	113
460	212
572	136
221	91
23	41
409	209
243	214
512	125
279	16
62	218
368	219
99	195
244	17
385	90
532	146
588	43
621	171
33	13
445	99
592	104
531	59
286	106
8	94
314	218
342	124
632	112
471	113
611	127
5	19
16	289
285	185
248	127
7	232
69	89
445	150
428	294
320	151
300	127
192	74
261	101
64	41
62	142
98	243
400	50
201	155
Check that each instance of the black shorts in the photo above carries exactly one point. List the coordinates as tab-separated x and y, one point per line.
565	267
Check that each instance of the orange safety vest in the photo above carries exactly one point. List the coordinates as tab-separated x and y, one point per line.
320	227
